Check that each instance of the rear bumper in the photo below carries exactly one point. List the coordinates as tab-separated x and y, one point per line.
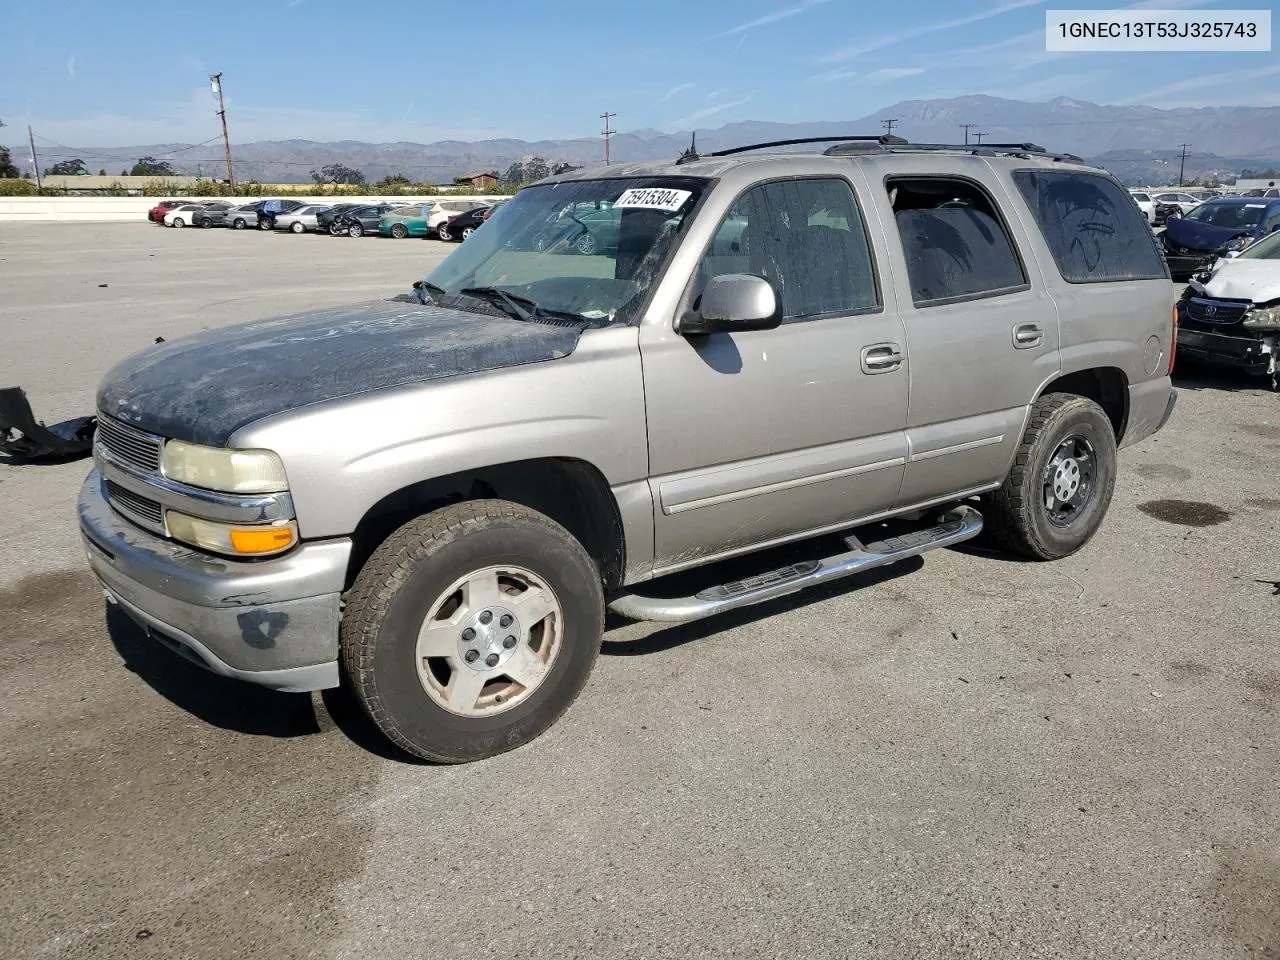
272	622
1249	353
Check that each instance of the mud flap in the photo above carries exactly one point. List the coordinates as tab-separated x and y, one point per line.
21	436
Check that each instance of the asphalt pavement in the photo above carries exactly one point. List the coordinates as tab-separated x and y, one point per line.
964	756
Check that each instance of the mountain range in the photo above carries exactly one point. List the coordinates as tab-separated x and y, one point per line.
1134	141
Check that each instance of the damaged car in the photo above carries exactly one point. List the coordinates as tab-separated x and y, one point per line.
1215	229
1230	315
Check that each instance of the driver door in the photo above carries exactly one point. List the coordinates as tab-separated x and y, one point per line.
769	435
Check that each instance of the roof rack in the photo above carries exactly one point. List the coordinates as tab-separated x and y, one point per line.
845	146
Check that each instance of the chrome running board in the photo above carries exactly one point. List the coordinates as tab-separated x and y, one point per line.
956	525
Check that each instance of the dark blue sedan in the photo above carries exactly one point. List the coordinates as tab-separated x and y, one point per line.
1215	229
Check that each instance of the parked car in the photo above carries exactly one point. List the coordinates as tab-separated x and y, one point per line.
182	215
361	220
460	226
491	210
300	220
441	210
406	220
268	210
1174	205
156	213
1146	204
584	228
443	492
324	219
1230	315
243	216
214	214
1215	229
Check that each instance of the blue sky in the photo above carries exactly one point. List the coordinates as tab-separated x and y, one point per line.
105	74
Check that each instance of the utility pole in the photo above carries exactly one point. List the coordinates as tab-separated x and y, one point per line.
888	126
978	136
607	133
967	128
216	81
1182	164
35	164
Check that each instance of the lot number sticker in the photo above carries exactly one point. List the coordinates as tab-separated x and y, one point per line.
653	198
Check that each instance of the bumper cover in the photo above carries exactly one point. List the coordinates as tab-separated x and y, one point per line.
1248	352
1190	264
271	622
1151	404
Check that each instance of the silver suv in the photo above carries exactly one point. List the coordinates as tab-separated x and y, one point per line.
433	499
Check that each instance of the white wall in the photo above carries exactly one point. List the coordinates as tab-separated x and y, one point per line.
85	209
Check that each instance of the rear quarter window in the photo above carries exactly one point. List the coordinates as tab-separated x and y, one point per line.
1094	232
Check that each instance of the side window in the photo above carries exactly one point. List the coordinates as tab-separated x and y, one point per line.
807	238
955	243
1093	235
1272	222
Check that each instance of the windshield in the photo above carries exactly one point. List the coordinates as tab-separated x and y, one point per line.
1237	216
1267	249
590	248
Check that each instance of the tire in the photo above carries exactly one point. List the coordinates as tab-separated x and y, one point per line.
466	233
414	574
1018	515
355	230
297	227
266	223
586	244
399	231
238	223
206	223
442	232
334	230
179	222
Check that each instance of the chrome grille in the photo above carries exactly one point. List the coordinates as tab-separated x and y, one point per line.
133	447
1203	310
135	507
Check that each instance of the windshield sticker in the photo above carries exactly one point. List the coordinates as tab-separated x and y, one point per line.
653	198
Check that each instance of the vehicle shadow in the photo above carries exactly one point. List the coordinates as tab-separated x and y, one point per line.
1189	376
676	635
219	701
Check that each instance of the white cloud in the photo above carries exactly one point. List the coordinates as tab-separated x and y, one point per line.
889	74
781	14
674	91
1209	81
857	50
71	66
690	119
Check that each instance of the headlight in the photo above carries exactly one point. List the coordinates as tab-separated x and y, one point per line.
1266	318
228	471
256	541
1238	243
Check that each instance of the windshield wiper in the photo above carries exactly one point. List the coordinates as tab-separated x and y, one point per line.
522	308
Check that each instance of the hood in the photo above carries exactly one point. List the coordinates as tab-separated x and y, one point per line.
1199	236
1238	279
205	387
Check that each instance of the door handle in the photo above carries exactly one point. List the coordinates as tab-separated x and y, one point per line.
881	358
1027	335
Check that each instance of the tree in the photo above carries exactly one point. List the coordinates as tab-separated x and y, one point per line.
151	167
67	168
7	170
527	170
395	180
102	172
337	173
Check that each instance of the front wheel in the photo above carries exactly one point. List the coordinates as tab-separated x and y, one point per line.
399	231
334	229
179	222
1056	495
472	629
467	232
297	227
237	223
266	223
206	223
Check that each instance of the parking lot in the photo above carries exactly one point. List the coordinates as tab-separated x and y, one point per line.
962	756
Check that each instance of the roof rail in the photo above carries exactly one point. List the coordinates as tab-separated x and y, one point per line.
977	149
883	140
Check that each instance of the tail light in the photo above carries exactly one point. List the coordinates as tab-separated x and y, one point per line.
453	218
1173	340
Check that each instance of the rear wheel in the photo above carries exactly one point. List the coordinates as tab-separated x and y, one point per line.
206	223
266	223
472	629
297	227
586	244
238	223
442	232
355	230
467	232
1056	495
179	222
399	231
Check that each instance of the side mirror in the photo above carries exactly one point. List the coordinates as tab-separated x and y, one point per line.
733	303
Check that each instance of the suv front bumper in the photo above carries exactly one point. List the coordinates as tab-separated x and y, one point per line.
270	622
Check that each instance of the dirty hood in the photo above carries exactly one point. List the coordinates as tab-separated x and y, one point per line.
204	387
1200	236
1242	279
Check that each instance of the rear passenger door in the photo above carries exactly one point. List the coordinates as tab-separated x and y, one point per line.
982	331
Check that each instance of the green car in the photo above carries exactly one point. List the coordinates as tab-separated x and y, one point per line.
407	221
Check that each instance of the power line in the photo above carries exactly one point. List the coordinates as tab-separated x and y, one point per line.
607	133
978	137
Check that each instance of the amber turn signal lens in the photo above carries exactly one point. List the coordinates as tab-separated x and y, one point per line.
263	540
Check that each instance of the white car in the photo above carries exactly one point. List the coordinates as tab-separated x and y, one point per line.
182	216
1184	202
1145	204
300	220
